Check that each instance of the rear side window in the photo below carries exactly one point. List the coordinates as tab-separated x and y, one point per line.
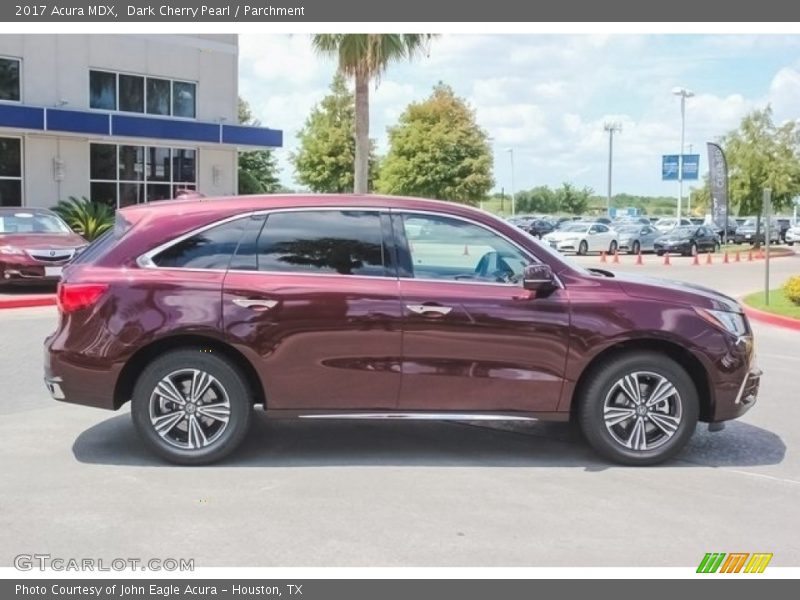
209	249
104	243
327	241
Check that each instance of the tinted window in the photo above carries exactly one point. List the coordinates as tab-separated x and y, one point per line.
343	242
158	96
183	99
452	249
131	93
209	249
10	157
9	79
103	90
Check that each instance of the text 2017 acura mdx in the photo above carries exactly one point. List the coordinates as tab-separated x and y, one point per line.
377	307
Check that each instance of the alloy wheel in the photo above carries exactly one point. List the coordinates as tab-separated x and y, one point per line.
642	411
189	409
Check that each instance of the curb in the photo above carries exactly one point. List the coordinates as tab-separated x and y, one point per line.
771	319
27	302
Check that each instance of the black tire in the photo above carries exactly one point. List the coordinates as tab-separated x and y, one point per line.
598	386
715	248
635	247
228	379
612	247
583	248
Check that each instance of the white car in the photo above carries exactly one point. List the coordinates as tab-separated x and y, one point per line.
669	223
793	234
582	237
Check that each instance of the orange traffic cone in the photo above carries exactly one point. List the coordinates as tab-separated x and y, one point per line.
639	260
616	257
725	259
696	260
749	256
603	256
666	259
708	259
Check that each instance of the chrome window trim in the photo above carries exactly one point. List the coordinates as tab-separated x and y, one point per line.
145	260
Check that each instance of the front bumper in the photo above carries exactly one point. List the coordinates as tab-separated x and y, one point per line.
564	245
20	269
792	236
680	247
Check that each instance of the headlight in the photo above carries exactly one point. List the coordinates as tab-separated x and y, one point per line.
732	322
10	250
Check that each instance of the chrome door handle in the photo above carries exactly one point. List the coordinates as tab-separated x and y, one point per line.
255	304
422	309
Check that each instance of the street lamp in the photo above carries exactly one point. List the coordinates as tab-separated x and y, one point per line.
610	128
513	199
684	94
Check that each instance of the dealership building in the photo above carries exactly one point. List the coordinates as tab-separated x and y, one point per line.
120	119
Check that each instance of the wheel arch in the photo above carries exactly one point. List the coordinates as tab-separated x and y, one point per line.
697	372
142	357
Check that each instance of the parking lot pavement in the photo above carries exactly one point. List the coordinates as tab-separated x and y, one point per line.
76	482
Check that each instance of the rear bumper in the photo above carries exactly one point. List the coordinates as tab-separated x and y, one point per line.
77	379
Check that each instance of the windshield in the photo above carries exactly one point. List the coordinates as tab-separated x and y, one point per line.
575	227
26	222
687	231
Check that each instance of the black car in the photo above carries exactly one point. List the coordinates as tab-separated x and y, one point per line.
687	241
538	227
728	232
784	225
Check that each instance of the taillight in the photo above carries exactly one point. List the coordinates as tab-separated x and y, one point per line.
75	296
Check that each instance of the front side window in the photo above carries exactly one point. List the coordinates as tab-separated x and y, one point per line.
10	172
209	249
122	175
9	79
455	250
347	242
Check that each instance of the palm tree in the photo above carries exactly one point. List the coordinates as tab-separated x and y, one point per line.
365	57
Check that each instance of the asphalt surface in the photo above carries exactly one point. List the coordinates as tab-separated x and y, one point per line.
77	483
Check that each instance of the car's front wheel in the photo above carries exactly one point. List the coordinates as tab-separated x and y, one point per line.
638	409
191	406
636	248
583	247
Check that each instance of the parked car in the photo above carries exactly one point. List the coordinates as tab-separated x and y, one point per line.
728	233
783	224
538	227
793	234
328	307
746	232
35	244
637	238
697	220
582	237
687	241
666	223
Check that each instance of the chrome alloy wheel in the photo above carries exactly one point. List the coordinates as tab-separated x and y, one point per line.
189	409
642	411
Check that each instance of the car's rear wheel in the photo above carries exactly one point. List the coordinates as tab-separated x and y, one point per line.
191	407
635	248
638	409
583	248
613	247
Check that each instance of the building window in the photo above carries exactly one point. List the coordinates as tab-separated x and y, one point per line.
10	172
140	94
122	175
9	79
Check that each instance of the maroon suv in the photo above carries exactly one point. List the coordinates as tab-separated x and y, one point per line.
374	307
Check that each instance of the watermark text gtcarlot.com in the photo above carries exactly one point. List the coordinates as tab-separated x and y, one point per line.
43	562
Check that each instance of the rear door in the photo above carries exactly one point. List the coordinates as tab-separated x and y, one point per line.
312	298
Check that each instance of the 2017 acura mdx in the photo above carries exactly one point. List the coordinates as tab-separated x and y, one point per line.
373	307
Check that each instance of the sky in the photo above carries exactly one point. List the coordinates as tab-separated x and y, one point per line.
548	96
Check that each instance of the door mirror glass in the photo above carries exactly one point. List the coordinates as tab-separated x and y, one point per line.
537	277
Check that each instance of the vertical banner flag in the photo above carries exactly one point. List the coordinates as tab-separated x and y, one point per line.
718	180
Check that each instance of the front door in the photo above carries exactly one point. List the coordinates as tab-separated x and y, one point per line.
473	338
313	298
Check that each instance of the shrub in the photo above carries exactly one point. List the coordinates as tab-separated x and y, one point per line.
791	289
87	218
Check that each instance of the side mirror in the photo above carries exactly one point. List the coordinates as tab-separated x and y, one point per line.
537	277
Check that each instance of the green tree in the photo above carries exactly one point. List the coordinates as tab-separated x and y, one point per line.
366	57
761	154
258	169
573	200
539	200
437	150
326	152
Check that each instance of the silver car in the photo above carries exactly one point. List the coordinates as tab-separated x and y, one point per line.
636	238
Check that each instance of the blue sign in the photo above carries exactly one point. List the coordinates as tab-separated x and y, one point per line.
669	167
691	166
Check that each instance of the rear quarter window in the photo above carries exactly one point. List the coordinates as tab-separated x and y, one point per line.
101	246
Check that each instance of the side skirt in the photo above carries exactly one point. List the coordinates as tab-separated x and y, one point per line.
416	415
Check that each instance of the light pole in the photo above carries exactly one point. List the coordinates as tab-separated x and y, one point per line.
610	128
684	94
689	195
513	199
